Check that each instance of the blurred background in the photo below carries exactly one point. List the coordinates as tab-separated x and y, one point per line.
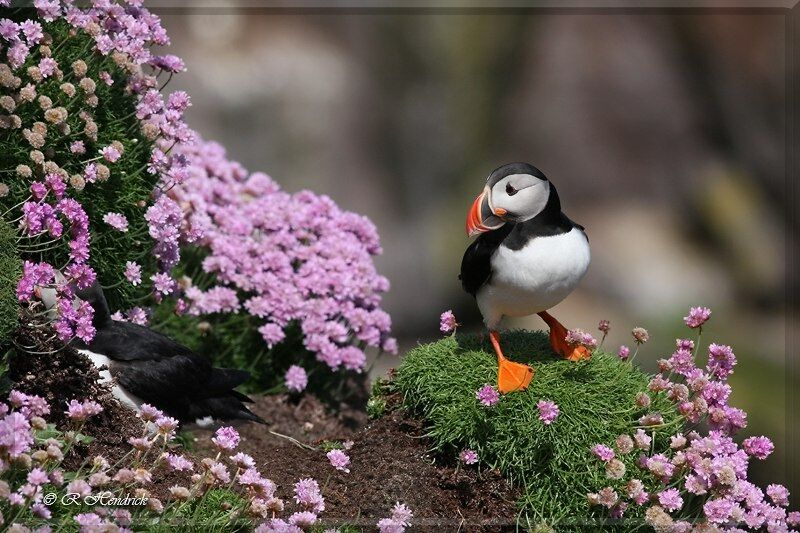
664	134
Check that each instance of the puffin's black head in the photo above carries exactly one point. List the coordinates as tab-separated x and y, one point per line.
514	193
97	299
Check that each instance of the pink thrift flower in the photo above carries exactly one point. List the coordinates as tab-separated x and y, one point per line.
163	283
402	514
296	378
111	154
623	352
37	476
604	326
670	499
697	316
81	411
226	438
548	411
578	337
488	395
718	510
243	461
758	447
602	452
468	456
166	426
778	494
307	494
303	519
721	361
339	460
148	413
133	273
77	147
47	66
178	462
640	335
447	322
116	221
88	521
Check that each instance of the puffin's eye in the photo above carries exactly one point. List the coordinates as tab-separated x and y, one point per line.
510	190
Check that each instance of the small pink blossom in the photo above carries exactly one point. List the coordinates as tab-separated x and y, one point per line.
548	411
339	460
133	273
296	378
468	456
603	452
226	438
623	352
697	316
488	395
111	154
116	221
447	322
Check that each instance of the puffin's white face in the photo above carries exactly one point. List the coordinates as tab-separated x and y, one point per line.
514	198
519	197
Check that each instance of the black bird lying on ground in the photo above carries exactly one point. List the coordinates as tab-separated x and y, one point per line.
145	366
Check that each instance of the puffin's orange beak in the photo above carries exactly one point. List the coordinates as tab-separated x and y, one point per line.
481	218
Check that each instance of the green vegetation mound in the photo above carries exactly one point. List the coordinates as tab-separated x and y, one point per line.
552	463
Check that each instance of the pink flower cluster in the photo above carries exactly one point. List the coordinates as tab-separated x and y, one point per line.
398	522
548	411
711	467
447	322
39	459
125	31
80	411
283	258
488	396
296	378
578	337
339	460
468	456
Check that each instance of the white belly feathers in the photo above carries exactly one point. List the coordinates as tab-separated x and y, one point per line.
534	278
125	398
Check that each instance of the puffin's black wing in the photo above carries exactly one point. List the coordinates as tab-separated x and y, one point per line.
168	375
476	267
125	341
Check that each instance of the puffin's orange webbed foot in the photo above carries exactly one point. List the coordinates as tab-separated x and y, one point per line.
511	376
558	335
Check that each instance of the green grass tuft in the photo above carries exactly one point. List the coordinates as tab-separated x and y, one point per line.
552	464
10	272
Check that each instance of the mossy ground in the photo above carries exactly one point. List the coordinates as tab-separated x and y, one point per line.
552	462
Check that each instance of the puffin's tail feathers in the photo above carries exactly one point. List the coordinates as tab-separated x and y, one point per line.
222	380
225	407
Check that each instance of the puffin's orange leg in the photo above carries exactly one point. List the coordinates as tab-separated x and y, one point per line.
511	376
558	335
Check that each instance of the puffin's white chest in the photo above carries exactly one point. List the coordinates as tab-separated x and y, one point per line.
536	277
125	398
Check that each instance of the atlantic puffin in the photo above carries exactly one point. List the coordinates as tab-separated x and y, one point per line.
527	258
144	366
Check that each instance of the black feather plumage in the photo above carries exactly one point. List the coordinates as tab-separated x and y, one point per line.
163	372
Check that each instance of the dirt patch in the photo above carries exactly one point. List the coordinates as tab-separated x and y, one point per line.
43	366
390	463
